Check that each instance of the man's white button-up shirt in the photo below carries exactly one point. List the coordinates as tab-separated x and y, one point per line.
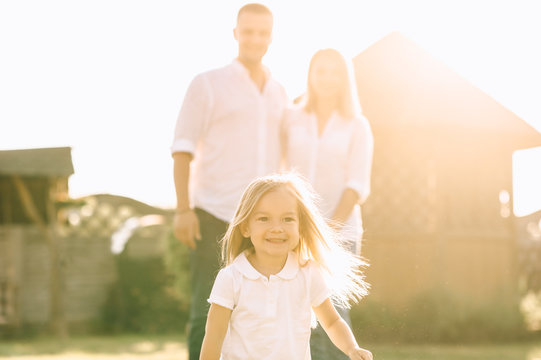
233	130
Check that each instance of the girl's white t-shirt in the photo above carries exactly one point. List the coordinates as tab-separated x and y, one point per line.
271	317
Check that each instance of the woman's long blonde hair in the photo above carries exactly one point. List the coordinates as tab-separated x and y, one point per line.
318	241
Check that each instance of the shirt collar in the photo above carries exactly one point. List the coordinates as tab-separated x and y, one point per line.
288	272
239	68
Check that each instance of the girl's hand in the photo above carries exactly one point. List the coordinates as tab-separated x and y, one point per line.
360	354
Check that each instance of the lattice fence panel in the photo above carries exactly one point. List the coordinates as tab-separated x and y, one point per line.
402	196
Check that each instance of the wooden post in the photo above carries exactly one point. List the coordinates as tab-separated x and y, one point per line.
57	319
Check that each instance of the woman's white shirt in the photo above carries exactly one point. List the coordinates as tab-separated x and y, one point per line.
338	158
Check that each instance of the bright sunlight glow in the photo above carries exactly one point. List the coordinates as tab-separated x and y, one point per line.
107	77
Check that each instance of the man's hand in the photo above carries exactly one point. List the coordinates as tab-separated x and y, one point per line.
186	228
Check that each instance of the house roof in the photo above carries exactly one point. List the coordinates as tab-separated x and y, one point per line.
37	162
402	86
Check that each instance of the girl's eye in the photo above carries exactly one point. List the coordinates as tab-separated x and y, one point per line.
262	218
289	219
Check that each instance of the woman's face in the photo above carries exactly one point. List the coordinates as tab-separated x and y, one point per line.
326	77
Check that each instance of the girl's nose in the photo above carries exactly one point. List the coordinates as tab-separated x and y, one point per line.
276	227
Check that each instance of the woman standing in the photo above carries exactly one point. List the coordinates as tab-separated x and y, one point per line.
326	140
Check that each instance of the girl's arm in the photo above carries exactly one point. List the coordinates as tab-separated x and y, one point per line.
339	331
215	330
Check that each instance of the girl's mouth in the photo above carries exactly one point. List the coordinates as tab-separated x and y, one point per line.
276	241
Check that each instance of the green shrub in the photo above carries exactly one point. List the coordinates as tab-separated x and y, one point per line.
149	297
176	262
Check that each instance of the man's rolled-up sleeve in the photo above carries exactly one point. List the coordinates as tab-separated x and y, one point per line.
193	115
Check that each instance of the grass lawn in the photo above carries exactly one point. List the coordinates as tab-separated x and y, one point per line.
526	351
152	347
169	347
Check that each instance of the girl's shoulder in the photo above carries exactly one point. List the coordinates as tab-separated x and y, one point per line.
234	269
241	267
309	266
226	273
229	277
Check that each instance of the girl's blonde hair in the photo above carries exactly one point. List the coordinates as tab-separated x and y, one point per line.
318	242
347	106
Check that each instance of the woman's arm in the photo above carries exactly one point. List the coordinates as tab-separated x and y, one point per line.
339	331
359	167
345	206
215	330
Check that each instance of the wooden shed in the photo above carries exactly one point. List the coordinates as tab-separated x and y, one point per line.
439	217
32	181
57	254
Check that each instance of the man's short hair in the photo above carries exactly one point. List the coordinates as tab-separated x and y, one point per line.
254	8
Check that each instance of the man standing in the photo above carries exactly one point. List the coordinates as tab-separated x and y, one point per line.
229	125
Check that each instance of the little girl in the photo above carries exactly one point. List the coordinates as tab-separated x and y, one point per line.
281	257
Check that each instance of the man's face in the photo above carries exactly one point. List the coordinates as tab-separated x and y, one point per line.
254	34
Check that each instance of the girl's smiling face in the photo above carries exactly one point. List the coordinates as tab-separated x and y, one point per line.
273	226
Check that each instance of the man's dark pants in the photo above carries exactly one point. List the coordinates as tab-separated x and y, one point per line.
204	266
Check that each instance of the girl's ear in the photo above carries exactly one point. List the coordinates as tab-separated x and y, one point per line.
244	230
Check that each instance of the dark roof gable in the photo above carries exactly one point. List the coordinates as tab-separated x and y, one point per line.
37	162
